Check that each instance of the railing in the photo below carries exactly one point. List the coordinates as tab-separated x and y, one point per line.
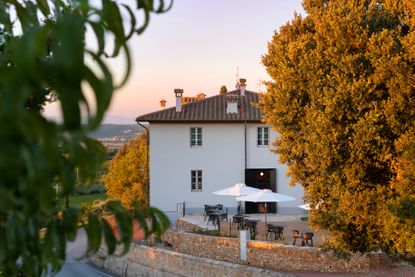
181	208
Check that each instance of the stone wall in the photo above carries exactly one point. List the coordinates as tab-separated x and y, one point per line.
148	261
271	255
183	225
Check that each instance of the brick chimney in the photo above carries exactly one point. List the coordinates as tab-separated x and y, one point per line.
242	86
179	94
163	103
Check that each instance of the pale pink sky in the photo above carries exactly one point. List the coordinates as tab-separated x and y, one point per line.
197	46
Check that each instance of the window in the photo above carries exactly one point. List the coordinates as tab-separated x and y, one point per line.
263	136
195	136
196	180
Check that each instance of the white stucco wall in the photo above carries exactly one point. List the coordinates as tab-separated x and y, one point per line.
221	158
263	157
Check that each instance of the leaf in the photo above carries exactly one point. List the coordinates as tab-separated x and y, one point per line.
109	237
70	223
113	19
100	35
133	22
161	8
102	90
43	7
93	230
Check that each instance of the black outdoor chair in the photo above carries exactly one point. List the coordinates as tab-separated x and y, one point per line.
307	239
208	210
296	235
206	207
214	219
277	231
219	207
238	221
251	226
224	215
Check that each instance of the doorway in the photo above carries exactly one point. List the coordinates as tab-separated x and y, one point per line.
261	178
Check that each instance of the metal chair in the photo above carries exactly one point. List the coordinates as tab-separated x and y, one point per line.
277	231
251	226
296	235
224	215
307	239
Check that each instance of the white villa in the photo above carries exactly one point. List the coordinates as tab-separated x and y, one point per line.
212	143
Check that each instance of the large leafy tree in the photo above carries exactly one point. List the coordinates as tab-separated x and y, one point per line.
342	96
127	176
43	50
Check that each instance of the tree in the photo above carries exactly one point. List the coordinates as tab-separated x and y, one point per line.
223	89
43	51
342	96
400	215
126	180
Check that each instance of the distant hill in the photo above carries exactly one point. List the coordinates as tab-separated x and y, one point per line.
115	135
108	119
112	130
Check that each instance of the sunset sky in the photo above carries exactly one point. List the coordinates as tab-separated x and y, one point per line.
197	46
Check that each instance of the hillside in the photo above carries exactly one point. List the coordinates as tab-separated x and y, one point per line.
114	135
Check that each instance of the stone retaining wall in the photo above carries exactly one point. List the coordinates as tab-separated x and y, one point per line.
271	255
187	226
148	261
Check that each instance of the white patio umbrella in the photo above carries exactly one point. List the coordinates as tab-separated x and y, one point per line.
265	196
305	207
238	189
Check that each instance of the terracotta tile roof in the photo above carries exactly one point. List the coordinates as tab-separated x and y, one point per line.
211	109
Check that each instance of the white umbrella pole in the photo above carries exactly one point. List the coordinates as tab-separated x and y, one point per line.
266	215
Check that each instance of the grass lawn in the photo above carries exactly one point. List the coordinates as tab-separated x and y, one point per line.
76	201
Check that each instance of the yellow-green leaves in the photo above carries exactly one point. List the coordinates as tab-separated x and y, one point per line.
43	51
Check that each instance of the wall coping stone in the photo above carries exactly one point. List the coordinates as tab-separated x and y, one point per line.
273	255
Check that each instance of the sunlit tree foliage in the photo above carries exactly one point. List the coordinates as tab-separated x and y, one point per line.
343	101
127	177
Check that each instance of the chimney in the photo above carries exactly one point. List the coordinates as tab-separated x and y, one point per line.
201	96
242	85
163	103
179	94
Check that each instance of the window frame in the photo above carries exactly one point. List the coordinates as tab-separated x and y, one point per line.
262	136
197	141
198	181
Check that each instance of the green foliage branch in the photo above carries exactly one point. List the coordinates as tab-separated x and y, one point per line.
342	98
43	50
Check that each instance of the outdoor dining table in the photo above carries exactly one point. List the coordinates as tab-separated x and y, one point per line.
277	230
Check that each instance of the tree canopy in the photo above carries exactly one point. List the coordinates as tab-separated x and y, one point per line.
43	50
223	89
342	98
127	178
